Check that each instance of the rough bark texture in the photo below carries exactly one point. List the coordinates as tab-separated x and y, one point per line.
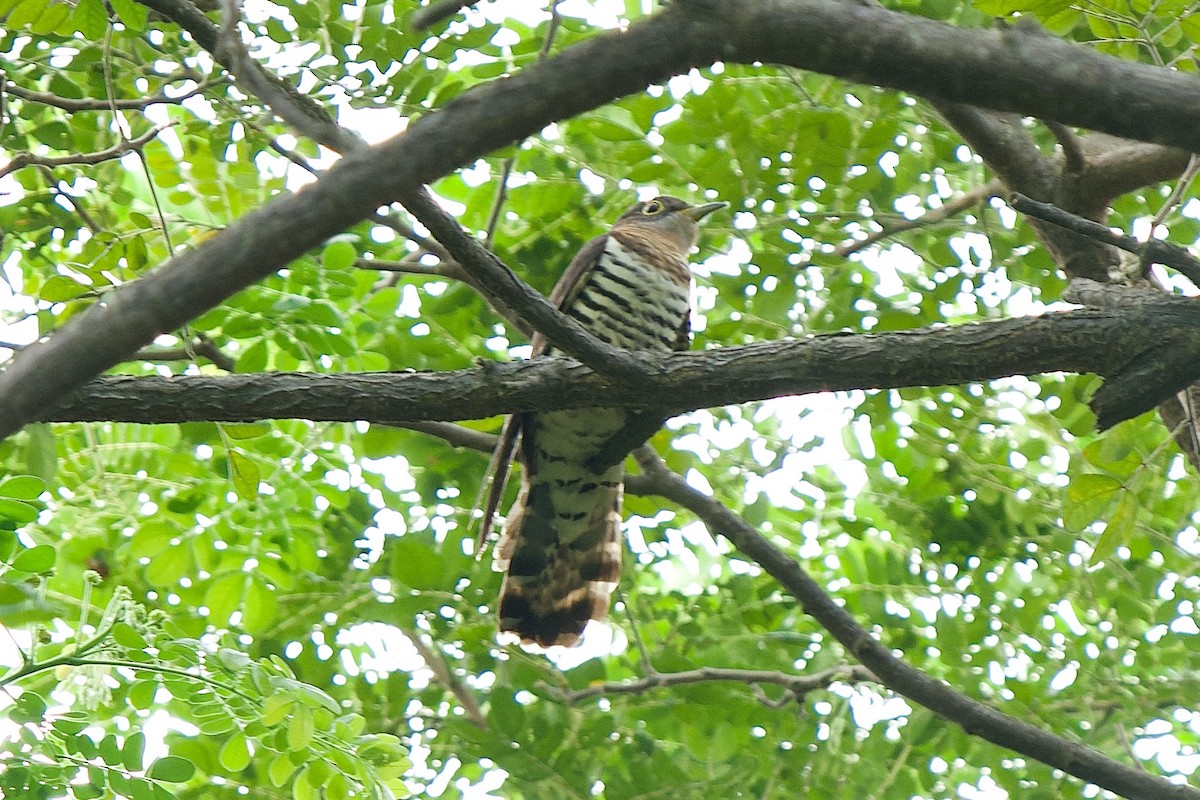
1145	349
1007	70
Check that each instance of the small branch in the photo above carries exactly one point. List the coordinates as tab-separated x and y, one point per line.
22	160
507	168
796	685
1177	192
200	347
1004	145
449	681
57	190
456	435
1094	294
953	206
102	104
1073	155
1153	251
437	11
442	270
498	281
974	717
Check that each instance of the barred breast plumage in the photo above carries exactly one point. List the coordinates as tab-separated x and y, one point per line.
561	548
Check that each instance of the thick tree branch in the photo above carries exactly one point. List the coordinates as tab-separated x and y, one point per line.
1004	69
973	717
1147	350
1116	166
437	11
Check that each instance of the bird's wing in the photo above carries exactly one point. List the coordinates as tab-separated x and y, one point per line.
568	286
496	477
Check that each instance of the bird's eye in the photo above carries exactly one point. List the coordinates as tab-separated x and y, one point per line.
652	208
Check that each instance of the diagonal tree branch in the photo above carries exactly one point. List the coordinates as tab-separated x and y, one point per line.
498	281
1152	251
955	205
1004	69
972	716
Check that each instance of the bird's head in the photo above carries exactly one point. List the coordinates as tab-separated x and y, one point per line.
668	217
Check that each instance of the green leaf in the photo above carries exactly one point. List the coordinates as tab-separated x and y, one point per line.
126	636
169	566
19	512
339	255
280	771
36	560
261	609
415	564
141	694
224	596
173	769
131	13
235	753
132	751
22	487
61	288
244	474
1120	526
277	708
1087	497
300	729
246	430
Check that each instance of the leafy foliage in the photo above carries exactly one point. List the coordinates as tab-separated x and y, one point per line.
302	601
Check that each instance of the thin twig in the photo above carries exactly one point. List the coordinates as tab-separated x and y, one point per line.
22	160
798	685
953	206
1177	193
456	435
297	110
1153	251
201	346
636	635
506	170
101	104
441	672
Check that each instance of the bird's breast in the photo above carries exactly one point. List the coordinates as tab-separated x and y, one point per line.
631	301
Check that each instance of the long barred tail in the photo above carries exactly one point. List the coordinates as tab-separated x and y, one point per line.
561	549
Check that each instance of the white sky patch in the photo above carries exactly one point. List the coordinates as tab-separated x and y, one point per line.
390	650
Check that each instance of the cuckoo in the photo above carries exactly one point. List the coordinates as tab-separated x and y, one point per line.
561	549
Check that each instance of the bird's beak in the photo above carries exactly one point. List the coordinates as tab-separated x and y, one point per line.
698	213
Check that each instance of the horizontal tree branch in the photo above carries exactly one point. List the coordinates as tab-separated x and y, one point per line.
1147	350
796	685
106	104
1004	69
971	715
22	160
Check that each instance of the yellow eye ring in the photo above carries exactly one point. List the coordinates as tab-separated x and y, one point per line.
651	208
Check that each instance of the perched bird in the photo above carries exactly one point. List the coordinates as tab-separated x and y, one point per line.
561	546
